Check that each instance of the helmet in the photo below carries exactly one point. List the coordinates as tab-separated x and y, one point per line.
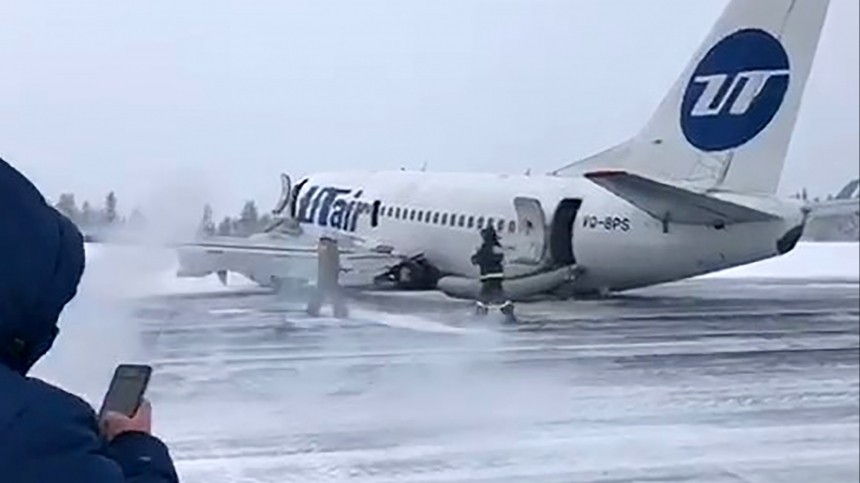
489	234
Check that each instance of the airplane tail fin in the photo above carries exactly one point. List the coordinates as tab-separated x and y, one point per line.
850	190
727	121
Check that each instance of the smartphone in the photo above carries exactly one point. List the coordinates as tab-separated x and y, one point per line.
125	393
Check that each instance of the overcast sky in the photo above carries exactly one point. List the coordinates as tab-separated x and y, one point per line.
193	100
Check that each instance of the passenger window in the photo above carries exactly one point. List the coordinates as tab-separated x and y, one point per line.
471	222
436	217
512	226
411	215
489	222
389	212
444	218
501	227
453	219
480	222
397	212
420	216
462	220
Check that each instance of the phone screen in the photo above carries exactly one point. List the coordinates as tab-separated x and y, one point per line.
126	389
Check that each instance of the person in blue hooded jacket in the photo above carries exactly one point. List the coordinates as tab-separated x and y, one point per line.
46	434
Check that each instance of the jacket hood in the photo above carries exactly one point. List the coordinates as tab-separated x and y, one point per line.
41	264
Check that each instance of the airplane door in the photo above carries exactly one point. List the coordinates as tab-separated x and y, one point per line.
531	231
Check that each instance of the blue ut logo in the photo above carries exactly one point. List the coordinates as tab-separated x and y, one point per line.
744	89
735	91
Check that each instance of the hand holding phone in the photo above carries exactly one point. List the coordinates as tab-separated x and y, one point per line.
124	409
125	393
114	424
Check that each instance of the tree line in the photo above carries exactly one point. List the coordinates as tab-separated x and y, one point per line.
92	219
88	217
248	222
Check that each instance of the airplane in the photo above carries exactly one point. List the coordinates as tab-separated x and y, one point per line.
844	203
692	193
850	191
839	220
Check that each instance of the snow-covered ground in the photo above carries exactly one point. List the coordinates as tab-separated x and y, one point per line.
716	380
839	260
139	271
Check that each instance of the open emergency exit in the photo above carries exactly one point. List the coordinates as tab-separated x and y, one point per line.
531	232
539	242
561	232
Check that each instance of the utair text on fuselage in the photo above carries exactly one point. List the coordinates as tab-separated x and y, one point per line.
333	207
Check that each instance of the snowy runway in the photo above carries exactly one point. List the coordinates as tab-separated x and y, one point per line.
719	379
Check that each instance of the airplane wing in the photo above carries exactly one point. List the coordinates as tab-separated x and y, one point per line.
269	256
680	205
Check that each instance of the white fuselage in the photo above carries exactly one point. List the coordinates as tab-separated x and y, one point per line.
618	246
692	192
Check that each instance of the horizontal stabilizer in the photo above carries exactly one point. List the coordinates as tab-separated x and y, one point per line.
678	205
